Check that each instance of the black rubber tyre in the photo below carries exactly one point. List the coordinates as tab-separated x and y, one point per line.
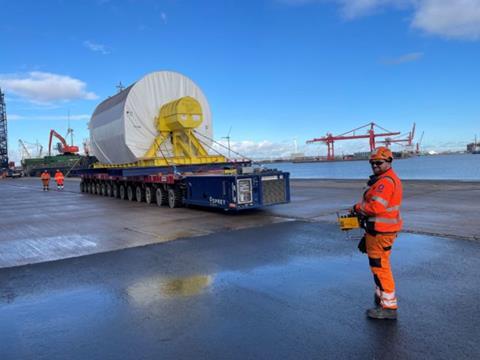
109	190
175	198
130	193
149	195
139	194
82	187
115	191
161	196
122	192
103	189
97	189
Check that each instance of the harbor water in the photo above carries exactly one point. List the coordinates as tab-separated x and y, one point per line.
462	167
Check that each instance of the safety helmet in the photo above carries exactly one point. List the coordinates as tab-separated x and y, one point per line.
45	171
381	153
58	170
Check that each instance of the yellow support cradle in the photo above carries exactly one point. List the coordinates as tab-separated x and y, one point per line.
175	123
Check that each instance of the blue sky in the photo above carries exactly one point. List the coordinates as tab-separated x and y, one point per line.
274	71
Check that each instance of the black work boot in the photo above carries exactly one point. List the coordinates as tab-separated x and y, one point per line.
382	313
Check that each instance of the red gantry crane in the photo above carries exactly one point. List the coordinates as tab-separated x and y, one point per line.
400	140
330	139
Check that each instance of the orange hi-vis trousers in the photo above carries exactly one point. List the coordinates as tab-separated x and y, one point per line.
379	247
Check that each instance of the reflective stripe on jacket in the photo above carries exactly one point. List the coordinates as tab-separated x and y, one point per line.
381	204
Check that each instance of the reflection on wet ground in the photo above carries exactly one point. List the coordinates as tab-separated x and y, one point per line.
148	291
290	290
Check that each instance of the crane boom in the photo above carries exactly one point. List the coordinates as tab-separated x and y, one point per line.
24	149
351	137
330	139
64	147
409	139
419	143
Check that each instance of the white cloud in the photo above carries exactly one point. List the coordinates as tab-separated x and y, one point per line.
264	150
403	58
267	150
256	150
458	19
354	8
95	47
43	88
351	9
49	117
298	2
451	19
163	16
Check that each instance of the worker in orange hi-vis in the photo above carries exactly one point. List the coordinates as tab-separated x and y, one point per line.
379	212
45	177
59	178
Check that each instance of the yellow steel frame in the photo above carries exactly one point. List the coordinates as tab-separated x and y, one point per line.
210	159
175	122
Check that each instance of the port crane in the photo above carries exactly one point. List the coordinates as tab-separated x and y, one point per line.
63	147
330	139
407	141
26	149
419	143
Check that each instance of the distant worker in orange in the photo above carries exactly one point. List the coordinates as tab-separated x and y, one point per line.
59	178
379	212
45	177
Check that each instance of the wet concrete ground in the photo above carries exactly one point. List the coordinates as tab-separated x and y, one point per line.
282	291
37	226
258	285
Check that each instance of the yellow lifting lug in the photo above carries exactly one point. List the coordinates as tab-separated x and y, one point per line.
348	221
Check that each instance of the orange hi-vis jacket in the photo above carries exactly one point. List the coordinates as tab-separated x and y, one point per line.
59	178
381	204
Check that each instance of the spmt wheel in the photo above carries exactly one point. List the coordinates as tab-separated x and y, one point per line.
149	195
123	192
109	190
175	198
161	196
129	193
115	191
139	196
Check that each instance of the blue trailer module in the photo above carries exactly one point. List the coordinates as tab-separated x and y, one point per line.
238	192
227	186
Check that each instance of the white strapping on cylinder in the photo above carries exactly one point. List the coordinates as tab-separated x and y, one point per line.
122	127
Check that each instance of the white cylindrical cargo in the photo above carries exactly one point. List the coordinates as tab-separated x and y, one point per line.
122	128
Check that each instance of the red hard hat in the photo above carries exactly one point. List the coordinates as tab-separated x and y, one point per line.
381	153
